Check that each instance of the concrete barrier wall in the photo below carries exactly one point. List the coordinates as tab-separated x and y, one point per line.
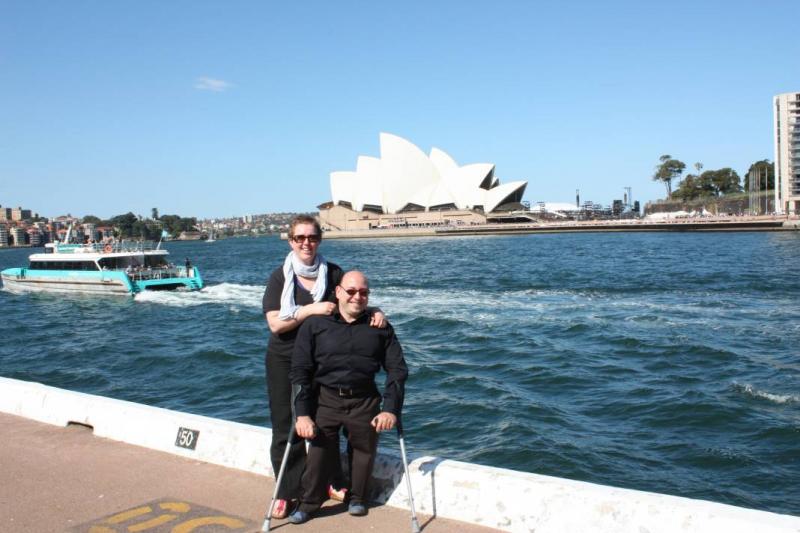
493	497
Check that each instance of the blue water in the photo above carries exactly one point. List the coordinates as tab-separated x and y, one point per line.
661	362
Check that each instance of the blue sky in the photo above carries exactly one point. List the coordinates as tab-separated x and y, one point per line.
215	109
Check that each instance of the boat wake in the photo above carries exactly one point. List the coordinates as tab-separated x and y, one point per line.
751	391
231	294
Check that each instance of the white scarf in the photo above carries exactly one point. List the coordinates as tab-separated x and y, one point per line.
293	266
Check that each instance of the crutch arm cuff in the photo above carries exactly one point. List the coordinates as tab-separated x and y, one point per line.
302	401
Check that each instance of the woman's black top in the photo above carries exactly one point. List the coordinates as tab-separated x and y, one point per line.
282	344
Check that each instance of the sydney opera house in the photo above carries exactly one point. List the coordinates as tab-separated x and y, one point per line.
406	187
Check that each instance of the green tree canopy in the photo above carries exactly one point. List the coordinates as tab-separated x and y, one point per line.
668	170
129	226
711	183
124	224
766	169
689	189
175	224
724	181
91	219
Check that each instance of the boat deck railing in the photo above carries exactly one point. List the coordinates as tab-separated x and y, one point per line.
108	247
148	273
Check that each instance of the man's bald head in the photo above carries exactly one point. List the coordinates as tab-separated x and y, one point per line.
352	294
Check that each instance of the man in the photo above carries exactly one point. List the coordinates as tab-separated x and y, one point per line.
334	364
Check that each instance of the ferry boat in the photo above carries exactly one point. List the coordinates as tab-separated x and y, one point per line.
108	268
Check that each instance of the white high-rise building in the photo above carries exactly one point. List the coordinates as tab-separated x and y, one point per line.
18	235
787	153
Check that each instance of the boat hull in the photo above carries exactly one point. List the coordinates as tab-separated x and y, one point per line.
50	284
99	282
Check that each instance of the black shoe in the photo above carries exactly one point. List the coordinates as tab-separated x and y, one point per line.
357	509
299	517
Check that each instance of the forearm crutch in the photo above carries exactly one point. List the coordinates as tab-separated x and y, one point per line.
414	523
268	518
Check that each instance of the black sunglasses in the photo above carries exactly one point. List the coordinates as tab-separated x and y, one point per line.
310	238
352	292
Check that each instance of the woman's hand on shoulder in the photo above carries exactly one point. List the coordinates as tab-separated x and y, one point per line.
378	319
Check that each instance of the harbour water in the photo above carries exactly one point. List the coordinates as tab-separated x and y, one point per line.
661	362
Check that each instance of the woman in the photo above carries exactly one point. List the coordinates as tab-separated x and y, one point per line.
304	286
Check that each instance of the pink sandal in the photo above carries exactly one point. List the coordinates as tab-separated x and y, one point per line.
280	509
337	494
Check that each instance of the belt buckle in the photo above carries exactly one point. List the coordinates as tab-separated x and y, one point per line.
344	393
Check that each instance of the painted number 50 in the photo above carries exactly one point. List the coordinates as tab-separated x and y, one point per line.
187	438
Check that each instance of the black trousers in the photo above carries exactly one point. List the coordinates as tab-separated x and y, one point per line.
333	413
279	389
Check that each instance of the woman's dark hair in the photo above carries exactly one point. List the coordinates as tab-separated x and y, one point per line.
304	219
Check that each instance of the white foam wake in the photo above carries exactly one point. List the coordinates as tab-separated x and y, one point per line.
225	293
775	398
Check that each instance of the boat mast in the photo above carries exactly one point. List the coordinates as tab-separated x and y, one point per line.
68	235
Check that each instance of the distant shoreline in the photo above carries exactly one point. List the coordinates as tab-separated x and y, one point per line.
718	223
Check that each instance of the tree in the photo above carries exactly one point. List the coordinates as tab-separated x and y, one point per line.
765	168
175	224
668	170
724	181
155	213
689	189
709	184
91	219
125	224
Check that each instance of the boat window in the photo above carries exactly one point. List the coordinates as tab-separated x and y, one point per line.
155	261
63	265
80	265
119	263
109	263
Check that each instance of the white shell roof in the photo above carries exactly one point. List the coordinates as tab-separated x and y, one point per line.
405	175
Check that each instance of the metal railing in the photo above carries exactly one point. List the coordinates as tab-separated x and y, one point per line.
148	273
109	247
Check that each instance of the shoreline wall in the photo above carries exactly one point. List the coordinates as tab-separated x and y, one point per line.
717	224
494	497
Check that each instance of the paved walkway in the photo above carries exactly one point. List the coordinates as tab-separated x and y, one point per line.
56	479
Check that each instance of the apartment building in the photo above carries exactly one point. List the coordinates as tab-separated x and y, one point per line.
786	108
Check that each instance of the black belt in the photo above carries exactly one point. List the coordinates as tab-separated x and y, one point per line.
352	392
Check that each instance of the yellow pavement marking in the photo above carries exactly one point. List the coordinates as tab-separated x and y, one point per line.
127	515
168	515
178	507
191	525
153	522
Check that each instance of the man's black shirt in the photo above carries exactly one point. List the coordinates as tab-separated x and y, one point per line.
331	352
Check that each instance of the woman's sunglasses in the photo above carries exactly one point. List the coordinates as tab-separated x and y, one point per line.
299	239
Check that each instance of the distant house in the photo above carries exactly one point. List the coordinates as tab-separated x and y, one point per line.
189	236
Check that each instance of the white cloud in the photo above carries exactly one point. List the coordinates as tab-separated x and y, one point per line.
210	84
